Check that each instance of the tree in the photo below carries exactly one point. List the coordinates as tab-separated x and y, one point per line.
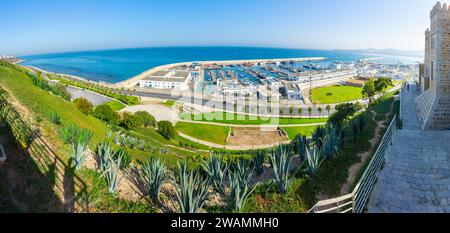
300	111
84	105
106	113
381	84
369	89
310	111
344	112
320	110
146	118
291	110
328	108
131	122
166	129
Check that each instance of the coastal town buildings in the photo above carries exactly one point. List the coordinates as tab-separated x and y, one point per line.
433	105
168	79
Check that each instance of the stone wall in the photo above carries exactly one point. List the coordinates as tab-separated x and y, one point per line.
434	104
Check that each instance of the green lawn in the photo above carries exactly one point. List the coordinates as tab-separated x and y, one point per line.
115	105
336	94
238	119
294	131
169	103
208	133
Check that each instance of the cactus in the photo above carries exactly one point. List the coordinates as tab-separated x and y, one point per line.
191	191
217	170
153	175
281	159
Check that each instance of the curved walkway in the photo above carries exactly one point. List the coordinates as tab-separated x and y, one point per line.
416	174
214	145
252	126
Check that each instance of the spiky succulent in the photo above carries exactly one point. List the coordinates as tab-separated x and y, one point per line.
191	190
217	169
259	158
153	175
314	160
240	190
281	159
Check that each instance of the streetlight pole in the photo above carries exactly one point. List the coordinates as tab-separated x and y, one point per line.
310	80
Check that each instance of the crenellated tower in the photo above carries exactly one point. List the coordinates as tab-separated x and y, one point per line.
434	104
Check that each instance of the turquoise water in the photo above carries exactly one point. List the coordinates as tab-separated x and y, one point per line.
118	65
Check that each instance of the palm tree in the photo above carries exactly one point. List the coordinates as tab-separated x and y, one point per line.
300	111
310	111
320	109
328	108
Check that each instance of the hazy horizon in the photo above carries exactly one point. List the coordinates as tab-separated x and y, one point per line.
50	26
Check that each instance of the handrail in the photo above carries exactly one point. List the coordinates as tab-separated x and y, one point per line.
361	193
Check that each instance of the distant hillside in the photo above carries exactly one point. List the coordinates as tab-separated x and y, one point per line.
390	52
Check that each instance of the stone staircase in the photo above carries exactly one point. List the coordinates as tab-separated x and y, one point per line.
416	174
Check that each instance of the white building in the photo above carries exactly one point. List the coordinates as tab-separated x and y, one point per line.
268	93
172	80
291	91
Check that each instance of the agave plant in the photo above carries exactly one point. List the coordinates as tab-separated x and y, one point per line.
240	190
362	122
55	118
77	154
315	159
217	170
318	135
123	155
69	133
281	159
117	139
191	191
331	144
301	142
259	158
112	174
103	155
153	175
142	145
243	168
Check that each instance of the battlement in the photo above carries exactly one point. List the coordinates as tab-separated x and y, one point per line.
440	8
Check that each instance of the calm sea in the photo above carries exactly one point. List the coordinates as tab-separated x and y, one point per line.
121	64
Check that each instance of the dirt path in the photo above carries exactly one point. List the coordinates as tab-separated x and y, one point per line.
353	171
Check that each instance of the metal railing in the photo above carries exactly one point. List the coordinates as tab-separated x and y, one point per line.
356	201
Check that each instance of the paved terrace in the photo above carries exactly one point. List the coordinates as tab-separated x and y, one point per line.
416	174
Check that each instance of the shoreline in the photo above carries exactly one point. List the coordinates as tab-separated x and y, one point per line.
132	81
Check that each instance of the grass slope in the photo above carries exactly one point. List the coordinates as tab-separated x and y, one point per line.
115	105
294	131
209	133
42	102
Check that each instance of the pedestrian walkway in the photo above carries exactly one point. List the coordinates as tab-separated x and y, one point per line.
416	174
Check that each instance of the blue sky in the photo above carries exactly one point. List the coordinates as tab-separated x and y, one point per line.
41	26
